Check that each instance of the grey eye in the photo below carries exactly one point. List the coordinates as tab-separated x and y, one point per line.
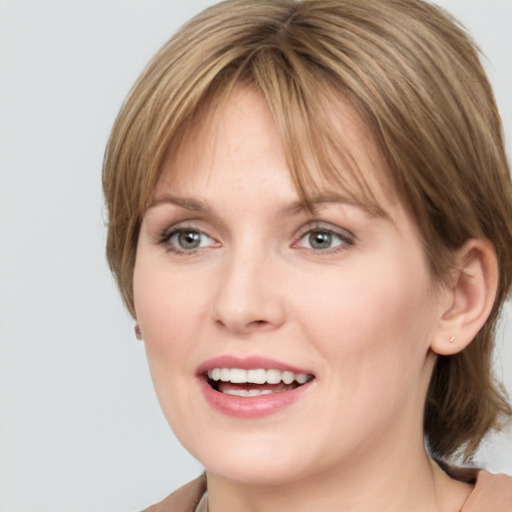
320	240
188	240
323	239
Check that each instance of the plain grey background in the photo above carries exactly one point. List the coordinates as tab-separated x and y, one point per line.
81	429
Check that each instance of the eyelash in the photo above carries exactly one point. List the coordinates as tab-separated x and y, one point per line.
167	235
346	238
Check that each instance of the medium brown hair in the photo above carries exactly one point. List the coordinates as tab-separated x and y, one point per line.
414	77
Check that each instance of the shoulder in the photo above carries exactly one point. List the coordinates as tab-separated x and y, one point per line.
185	499
492	493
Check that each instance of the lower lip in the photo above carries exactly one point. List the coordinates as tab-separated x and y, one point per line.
251	406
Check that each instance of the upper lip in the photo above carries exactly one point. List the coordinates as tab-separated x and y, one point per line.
247	363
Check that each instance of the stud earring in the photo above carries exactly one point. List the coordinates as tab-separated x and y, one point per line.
452	339
138	332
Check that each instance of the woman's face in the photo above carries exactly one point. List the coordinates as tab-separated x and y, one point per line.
324	319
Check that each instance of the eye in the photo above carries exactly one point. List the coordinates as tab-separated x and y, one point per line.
322	239
186	239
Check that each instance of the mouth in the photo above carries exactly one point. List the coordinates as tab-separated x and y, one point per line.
254	382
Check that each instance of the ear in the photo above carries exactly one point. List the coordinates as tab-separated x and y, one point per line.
470	297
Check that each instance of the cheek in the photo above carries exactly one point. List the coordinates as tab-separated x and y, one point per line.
373	342
168	304
167	312
373	320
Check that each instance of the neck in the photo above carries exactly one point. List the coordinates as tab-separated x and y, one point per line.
413	483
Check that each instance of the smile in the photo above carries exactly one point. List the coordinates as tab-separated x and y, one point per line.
252	387
254	382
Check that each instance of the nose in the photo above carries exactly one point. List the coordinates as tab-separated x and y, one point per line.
248	296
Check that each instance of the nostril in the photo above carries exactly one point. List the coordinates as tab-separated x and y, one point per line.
259	324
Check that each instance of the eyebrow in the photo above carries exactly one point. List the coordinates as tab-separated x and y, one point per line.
314	202
186	203
312	205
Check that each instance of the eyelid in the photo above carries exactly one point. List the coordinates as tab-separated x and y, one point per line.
347	237
325	226
165	236
179	225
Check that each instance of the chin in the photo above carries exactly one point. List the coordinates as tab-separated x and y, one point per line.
255	472
249	462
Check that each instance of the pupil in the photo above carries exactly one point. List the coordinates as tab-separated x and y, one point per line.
320	240
189	240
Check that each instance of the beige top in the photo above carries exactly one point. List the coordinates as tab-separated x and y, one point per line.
202	506
492	493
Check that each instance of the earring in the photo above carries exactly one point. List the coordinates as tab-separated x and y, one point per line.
452	339
138	332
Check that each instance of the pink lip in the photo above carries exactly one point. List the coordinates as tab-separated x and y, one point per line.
252	406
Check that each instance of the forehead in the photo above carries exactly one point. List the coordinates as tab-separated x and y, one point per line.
346	162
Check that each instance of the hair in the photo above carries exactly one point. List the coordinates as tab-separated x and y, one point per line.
414	77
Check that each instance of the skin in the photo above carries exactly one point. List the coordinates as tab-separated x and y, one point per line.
361	316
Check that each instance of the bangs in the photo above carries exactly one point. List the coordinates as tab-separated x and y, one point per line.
309	116
308	112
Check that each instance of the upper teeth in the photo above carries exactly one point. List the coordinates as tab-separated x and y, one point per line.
257	376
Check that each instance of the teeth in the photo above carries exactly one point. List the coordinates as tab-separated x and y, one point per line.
288	377
256	376
301	378
245	392
237	375
273	376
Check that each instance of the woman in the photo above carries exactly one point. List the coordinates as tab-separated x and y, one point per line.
310	219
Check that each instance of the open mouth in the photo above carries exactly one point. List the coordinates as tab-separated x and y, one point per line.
254	382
